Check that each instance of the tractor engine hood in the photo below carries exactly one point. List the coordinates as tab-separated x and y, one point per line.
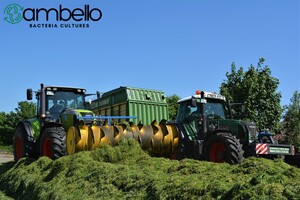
79	112
70	117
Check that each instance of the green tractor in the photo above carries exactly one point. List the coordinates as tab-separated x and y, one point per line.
45	135
207	131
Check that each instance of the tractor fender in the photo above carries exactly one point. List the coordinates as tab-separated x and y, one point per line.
28	129
222	130
216	131
24	132
47	125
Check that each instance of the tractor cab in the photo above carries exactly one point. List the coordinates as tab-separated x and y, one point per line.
60	99
200	112
53	102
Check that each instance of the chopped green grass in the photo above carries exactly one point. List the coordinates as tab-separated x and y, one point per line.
127	172
4	197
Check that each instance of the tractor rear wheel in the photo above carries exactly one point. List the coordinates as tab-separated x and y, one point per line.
223	147
53	142
23	143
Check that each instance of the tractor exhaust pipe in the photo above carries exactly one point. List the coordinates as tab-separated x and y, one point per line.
43	102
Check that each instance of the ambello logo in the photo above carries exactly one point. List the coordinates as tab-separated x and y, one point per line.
13	13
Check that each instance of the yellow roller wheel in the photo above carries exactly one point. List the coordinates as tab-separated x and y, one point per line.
145	136
91	140
135	131
174	131
82	139
71	143
96	136
157	138
108	135
103	139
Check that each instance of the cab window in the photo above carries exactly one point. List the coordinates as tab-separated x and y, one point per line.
215	110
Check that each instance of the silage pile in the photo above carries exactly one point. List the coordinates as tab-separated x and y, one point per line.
127	172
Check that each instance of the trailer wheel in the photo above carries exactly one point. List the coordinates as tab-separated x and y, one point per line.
53	142
23	144
223	147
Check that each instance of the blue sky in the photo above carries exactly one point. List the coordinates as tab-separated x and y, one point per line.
172	45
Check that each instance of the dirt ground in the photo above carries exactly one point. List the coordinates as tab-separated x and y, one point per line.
6	157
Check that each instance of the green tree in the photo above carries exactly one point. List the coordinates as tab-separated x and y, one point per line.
2	127
256	88
291	122
25	110
8	126
9	121
172	106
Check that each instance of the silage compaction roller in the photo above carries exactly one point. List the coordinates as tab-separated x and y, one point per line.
157	139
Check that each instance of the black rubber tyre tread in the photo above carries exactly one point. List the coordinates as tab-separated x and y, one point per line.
58	137
28	147
233	148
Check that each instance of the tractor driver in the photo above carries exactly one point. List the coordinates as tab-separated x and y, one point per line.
57	107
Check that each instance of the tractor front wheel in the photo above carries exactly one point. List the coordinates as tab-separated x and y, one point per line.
223	147
53	142
23	144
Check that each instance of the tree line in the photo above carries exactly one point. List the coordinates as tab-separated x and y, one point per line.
9	121
255	88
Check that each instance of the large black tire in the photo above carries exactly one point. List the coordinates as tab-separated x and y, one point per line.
24	144
53	142
223	147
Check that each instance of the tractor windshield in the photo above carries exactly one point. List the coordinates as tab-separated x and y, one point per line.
216	110
57	101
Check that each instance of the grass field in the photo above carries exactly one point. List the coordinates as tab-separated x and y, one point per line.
5	148
127	172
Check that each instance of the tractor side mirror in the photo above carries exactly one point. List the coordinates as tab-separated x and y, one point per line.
194	102
98	95
29	94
